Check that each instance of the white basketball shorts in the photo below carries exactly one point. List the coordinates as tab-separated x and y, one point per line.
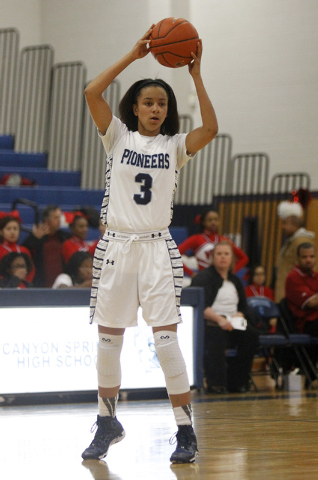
132	270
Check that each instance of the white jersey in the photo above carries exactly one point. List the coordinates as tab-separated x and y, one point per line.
141	178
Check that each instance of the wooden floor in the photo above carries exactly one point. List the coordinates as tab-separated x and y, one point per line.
255	436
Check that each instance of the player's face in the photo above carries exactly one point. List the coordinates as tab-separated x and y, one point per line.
11	231
306	259
222	257
211	222
151	110
80	228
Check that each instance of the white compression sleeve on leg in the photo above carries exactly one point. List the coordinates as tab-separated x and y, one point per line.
108	360
172	362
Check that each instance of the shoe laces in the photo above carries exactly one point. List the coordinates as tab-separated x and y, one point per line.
182	436
101	433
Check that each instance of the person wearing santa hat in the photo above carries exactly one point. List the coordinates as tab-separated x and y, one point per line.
291	215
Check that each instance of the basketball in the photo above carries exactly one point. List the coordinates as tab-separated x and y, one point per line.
172	41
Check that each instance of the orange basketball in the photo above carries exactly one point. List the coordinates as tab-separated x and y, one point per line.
172	41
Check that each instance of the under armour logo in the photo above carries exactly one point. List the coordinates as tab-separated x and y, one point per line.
163	337
110	261
106	339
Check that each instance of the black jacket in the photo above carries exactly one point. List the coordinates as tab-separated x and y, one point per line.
212	281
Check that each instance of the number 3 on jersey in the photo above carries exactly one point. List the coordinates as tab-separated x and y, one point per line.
144	197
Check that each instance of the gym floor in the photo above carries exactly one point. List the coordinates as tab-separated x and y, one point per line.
259	435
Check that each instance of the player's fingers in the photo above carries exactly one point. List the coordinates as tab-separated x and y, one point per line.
199	49
148	32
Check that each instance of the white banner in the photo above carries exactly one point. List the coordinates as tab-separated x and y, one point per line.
53	349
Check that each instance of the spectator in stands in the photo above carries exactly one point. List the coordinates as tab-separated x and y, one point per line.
79	228
78	272
14	269
203	243
301	290
225	303
257	287
291	214
45	244
9	235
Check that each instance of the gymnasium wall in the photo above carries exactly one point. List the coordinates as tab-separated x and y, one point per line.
260	62
261	69
26	16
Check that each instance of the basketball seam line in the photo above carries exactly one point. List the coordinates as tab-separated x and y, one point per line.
175	26
173	43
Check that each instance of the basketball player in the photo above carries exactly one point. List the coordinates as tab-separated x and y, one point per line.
136	261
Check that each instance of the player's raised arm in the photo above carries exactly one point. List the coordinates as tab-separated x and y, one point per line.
99	108
201	136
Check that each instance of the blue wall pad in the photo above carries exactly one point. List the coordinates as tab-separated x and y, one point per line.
14	159
6	142
47	195
179	234
44	177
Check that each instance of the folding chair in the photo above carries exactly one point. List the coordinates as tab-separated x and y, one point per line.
298	341
267	309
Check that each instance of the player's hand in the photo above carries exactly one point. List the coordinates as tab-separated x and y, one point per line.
194	66
141	48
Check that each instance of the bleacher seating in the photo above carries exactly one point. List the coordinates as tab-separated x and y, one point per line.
60	187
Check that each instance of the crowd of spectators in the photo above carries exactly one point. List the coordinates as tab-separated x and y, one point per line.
55	257
45	257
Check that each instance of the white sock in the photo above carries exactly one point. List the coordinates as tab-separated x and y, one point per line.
107	406
183	415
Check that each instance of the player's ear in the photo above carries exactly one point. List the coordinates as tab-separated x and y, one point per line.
135	110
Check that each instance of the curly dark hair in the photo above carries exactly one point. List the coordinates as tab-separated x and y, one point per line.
171	124
6	262
74	264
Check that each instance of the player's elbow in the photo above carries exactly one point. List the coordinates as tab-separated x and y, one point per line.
212	131
88	92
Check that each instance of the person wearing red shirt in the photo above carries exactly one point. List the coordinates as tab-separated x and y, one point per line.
203	243
79	229
301	290
257	287
9	236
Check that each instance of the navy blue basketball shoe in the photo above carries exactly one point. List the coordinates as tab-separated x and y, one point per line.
109	431
187	448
